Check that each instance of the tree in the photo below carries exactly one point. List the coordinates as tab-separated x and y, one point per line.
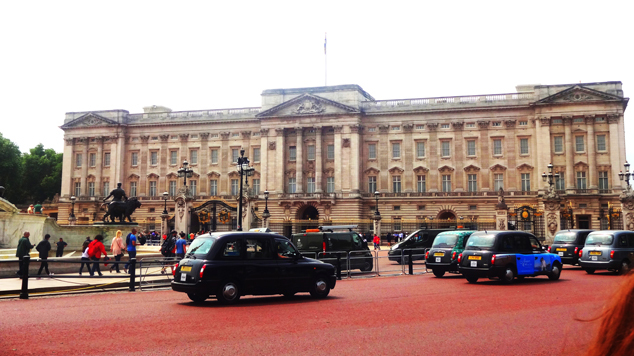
11	170
42	174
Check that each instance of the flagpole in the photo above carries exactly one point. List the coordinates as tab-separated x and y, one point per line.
325	62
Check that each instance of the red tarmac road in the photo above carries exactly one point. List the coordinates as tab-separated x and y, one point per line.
405	315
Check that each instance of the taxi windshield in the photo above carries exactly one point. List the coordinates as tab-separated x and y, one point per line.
477	242
201	245
565	237
599	239
445	241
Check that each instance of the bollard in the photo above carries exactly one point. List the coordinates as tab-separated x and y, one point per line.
132	270
410	262
338	267
24	293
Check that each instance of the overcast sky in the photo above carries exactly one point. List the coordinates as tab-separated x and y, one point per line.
64	56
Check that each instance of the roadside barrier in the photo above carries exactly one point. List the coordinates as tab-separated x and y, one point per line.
164	263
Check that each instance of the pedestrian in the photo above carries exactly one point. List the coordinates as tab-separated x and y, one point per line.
84	257
130	243
389	239
31	209
117	247
167	248
181	248
95	249
88	239
377	242
37	208
60	247
43	248
24	246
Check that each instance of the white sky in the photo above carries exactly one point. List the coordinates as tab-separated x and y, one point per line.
63	56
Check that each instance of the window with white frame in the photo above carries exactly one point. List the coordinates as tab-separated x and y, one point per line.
310	185
106	189
526	182
445	148
192	187
601	143
372	184
256	186
256	154
106	159
292	153
396	184
523	146
173	157
172	188
420	149
330	185
152	188
310	152
235	153
421	183
579	144
92	158
154	158
496	123
472	182
91	189
372	151
523	123
446	182
193	157
134	159
558	144
470	125
213	187
444	126
497	147
471	148
578	120
603	180
560	183
498	181
330	151
397	224
581	180
292	185
77	189
133	189
235	187
214	156
396	150
78	159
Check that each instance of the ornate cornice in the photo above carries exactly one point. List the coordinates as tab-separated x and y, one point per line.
384	128
145	138
510	123
338	128
458	125
544	121
164	138
356	128
183	137
279	131
483	124
264	132
408	127
245	134
613	118
225	135
69	141
432	126
204	135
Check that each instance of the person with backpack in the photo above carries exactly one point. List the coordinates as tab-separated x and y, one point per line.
142	238
117	247
168	247
130	242
95	249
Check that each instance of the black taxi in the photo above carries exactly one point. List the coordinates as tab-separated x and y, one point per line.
444	252
232	264
568	243
610	249
505	255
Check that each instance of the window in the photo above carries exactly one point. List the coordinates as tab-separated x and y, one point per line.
372	151
330	185
523	123
173	157
92	158
310	185
371	184
396	224
421	207
472	182
446	183
396	207
106	159
496	123
581	180
558	121
446	149
258	249
77	189
91	189
473	207
151	210
599	119
603	180
213	187
231	250
470	125
235	134
471	148
256	186
372	129
396	150
153	188
583	206
578	120
234	155
192	186
497	147
396	184
420	127
172	188
498	181
292	185
421	185
106	189
292	153
310	154
153	158
193	157
135	159
579	146
214	156
132	189
234	187
420	149
396	128
601	143
330	152
256	154
526	182
560	182
559	144
78	159
523	146
444	126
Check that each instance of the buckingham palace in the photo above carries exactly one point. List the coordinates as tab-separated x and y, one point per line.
335	154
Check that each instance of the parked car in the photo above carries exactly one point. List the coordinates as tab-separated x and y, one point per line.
608	249
506	255
418	242
328	242
568	243
444	252
232	264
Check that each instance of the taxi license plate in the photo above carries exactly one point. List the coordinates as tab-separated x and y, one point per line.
438	259
475	257
595	258
474	263
561	253
183	277
441	254
595	253
561	249
186	269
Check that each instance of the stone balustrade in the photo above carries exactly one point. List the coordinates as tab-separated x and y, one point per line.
449	101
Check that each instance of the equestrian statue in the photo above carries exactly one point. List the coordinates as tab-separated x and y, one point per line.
120	207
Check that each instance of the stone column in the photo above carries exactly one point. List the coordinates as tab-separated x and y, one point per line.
164	163
182	210
511	155
433	157
68	167
338	156
569	144
203	163
118	161
377	225
627	209
299	160
501	213
383	185
226	164
84	166
408	154
99	166
458	156
164	227
264	159
613	121
279	160
143	166
485	155
552	213
355	160
592	162
318	161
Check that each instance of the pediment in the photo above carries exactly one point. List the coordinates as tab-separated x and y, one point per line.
525	166
213	174
497	167
172	175
580	164
89	120
421	169
153	176
471	168
308	105
371	170
446	168
578	94
396	170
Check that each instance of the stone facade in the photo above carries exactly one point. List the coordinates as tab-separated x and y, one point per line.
325	150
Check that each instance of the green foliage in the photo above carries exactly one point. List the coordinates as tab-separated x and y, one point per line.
10	169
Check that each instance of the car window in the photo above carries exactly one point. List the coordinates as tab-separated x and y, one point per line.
231	249
631	239
445	240
477	242
201	246
535	245
599	239
357	239
565	237
623	240
259	249
507	244
285	249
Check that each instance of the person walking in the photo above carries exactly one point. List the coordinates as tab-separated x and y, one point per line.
84	257
168	247
60	247
43	248
377	242
389	239
24	246
130	242
95	249
117	247
181	248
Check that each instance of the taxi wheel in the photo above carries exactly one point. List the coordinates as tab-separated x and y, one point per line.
439	274
228	293
625	267
197	298
367	266
320	288
508	275
472	279
589	270
556	272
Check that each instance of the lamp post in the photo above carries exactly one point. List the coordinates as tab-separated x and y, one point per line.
71	216
243	169
626	175
376	207
265	214
185	172
165	197
550	177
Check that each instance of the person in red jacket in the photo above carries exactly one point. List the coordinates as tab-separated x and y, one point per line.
377	242
95	249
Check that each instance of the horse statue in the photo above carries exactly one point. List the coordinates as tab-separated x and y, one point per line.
121	210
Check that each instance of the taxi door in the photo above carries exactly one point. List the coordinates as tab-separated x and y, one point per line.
524	255
543	262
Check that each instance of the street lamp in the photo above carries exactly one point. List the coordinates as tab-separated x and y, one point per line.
377	214
265	213
245	170
72	207
550	176
626	175
165	197
185	172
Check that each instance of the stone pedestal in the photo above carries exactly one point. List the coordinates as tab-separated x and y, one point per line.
265	219
164	227
247	215
501	219
72	220
627	208
552	215
183	206
377	226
